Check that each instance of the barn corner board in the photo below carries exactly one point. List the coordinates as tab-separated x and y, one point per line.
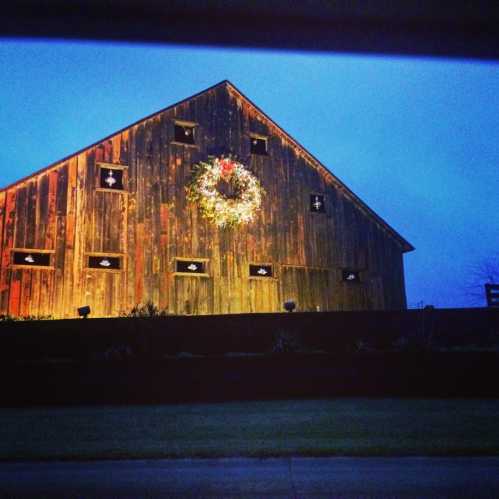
205	207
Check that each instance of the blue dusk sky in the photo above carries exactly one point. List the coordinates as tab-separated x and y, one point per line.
417	139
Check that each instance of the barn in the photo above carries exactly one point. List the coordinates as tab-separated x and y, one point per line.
205	207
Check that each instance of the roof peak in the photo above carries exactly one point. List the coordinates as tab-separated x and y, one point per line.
311	158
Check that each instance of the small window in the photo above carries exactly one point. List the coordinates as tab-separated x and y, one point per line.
317	204
111	178
258	145
31	258
195	266
190	266
351	275
184	133
260	270
104	262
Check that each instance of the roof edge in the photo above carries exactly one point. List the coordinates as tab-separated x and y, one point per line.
406	245
107	137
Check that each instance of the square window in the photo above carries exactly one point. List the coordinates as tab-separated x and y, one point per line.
260	270
258	145
190	266
351	275
104	262
111	178
184	133
317	204
31	258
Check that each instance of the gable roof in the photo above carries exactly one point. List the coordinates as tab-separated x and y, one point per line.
311	159
406	246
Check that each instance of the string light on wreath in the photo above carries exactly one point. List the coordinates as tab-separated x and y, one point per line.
219	208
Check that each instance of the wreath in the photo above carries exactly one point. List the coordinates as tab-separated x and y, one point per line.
227	193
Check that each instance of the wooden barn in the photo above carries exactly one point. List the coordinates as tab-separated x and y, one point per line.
206	207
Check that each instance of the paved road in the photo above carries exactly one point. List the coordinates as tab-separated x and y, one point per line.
340	478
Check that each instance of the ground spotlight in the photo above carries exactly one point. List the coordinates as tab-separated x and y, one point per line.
289	305
84	311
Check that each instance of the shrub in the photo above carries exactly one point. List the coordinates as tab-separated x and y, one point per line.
286	342
148	309
13	318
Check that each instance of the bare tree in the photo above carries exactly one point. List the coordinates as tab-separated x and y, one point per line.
481	273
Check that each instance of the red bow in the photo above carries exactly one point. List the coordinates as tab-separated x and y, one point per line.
227	166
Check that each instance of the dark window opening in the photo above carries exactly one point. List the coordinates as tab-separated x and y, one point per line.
258	145
184	134
351	275
31	258
260	270
104	262
317	204
190	266
111	178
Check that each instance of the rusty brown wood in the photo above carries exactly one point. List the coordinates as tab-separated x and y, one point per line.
151	223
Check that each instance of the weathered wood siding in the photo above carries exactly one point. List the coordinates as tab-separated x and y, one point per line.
151	223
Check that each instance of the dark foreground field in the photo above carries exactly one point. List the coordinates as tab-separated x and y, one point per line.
338	427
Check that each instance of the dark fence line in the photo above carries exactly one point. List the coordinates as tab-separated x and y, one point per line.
333	332
371	374
175	359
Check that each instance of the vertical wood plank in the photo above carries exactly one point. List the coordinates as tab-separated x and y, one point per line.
21	216
8	244
15	293
31	220
2	225
25	298
41	224
70	226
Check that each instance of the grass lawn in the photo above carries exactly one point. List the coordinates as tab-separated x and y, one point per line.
346	427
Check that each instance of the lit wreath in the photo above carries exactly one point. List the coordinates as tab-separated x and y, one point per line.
222	210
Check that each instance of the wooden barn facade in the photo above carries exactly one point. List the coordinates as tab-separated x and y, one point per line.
113	225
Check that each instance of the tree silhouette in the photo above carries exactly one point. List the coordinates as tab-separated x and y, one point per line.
481	273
